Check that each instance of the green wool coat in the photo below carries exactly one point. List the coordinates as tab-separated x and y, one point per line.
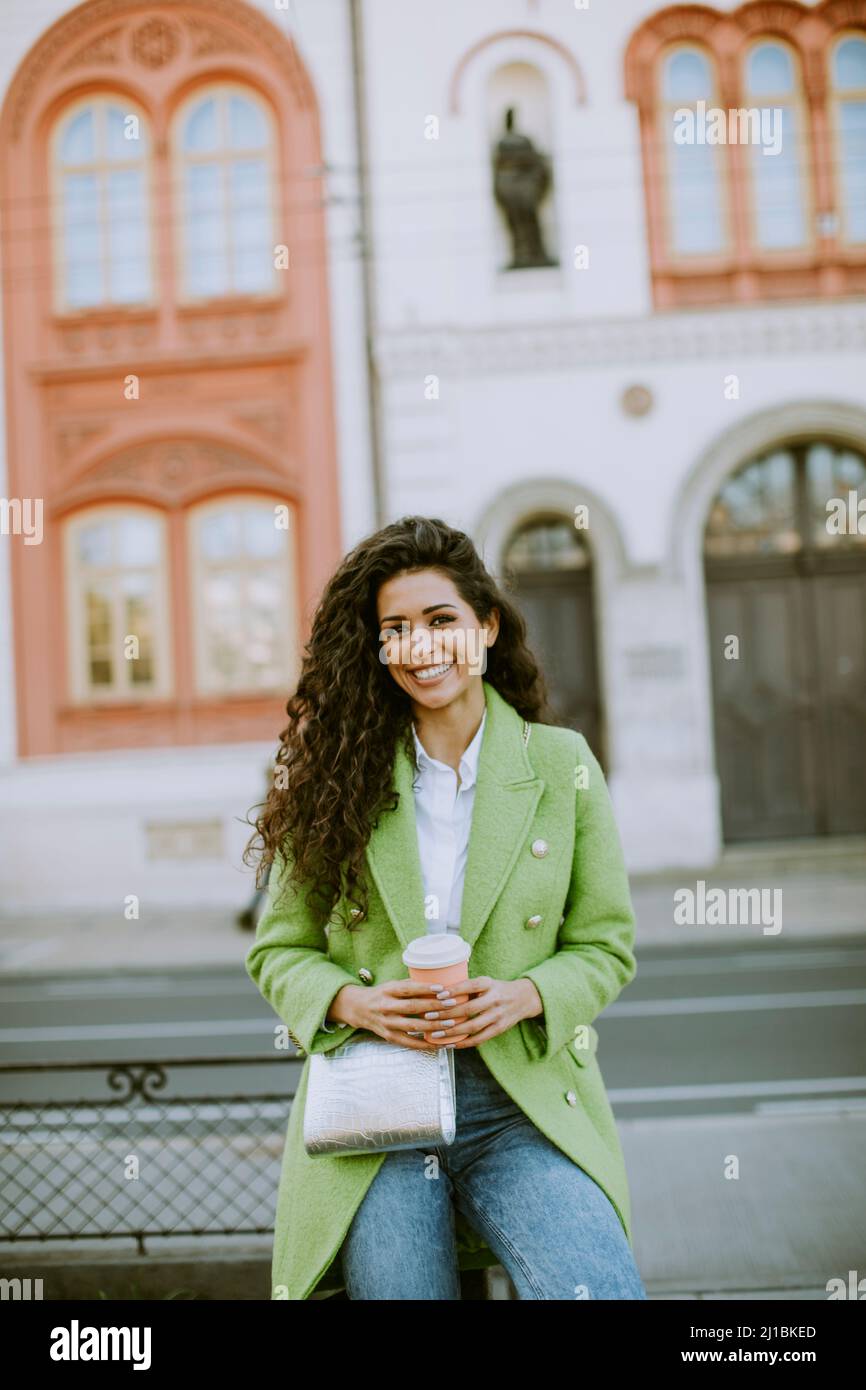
549	787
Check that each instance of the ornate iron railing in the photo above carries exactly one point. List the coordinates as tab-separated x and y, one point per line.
130	1153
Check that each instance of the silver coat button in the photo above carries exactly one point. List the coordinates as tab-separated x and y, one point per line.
534	921
365	975
540	848
571	1097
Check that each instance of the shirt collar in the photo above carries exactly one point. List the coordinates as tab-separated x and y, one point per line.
468	761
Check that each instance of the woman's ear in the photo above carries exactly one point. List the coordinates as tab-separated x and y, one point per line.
492	626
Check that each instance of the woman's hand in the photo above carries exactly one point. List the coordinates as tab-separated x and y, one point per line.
393	1008
493	1007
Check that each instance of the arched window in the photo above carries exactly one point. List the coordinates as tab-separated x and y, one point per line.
117	605
777	171
696	214
225	146
100	155
545	545
243	567
849	89
755	513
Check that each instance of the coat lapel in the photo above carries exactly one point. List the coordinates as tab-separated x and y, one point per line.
506	796
392	854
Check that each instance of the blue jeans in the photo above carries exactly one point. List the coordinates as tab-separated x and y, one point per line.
550	1225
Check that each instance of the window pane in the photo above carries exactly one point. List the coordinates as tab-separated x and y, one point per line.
769	71
201	131
138	540
120	145
549	545
78	143
687	76
207	264
98	616
755	511
82	239
95	544
220	534
248	129
262	538
138	596
224	629
254	256
849	67
836	476
264	623
852	121
777	191
696	203
128	237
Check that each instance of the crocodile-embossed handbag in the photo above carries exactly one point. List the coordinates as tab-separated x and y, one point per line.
370	1096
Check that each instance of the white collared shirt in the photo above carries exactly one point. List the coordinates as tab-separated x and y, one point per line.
443	816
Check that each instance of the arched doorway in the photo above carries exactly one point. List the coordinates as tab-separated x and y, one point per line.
548	567
786	579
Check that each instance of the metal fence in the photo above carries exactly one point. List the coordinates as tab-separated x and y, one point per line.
93	1150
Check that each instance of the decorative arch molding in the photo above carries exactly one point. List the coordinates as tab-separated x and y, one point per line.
524	35
100	35
792	421
523	502
173	472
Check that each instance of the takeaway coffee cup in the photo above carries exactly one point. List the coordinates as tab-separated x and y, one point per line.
440	958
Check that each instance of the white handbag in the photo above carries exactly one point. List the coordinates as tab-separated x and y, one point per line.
371	1096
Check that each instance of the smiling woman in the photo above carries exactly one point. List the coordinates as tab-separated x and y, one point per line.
433	796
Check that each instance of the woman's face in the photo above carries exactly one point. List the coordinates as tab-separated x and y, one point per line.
431	640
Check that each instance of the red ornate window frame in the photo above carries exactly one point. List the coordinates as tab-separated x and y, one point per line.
235	392
828	267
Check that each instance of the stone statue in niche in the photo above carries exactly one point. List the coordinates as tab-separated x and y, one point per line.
521	179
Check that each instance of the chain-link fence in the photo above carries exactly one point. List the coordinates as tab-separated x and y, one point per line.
180	1147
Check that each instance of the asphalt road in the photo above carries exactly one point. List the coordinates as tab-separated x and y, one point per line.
762	1028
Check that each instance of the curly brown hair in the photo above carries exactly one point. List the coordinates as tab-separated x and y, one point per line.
333	772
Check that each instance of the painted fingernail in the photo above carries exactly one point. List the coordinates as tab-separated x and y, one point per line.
440	1033
431	1015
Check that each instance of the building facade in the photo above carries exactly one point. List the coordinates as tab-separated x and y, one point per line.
184	375
513	264
645	421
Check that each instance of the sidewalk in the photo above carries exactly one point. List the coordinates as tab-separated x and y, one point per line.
823	888
793	1220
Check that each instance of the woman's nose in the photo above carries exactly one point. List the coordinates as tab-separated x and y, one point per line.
422	643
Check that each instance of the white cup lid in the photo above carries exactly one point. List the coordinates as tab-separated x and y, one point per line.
436	949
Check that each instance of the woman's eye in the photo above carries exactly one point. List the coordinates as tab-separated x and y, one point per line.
443	618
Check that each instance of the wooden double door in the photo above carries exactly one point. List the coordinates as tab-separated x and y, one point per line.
790	704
